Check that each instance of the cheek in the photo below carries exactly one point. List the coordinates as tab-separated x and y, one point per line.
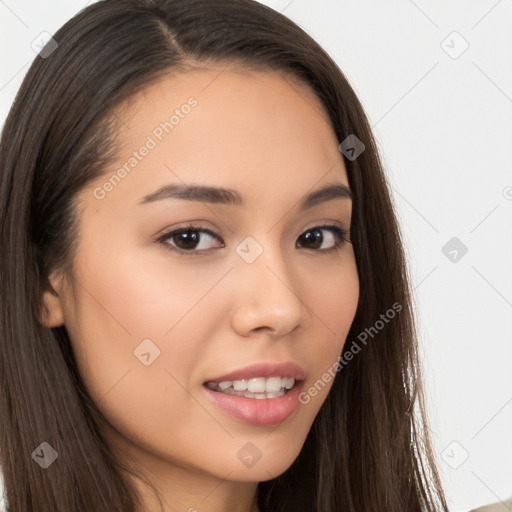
138	329
332	299
144	293
332	295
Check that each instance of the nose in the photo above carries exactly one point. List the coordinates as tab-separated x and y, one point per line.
268	296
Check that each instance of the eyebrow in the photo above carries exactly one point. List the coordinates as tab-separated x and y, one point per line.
231	197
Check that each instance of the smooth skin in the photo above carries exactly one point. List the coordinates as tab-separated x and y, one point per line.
269	138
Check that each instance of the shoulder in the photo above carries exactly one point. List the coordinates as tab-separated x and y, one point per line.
500	506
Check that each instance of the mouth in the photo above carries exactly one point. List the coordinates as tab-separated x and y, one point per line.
261	394
257	387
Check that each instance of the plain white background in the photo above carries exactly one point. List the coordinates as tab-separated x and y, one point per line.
435	79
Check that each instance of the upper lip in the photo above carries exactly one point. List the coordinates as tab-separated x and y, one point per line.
266	370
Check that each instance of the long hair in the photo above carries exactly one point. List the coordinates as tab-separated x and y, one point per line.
369	447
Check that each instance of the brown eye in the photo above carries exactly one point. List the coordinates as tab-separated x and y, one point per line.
315	239
187	240
190	239
194	240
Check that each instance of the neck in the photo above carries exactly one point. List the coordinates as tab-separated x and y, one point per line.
195	493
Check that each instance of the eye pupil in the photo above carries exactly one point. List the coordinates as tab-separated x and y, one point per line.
191	238
314	235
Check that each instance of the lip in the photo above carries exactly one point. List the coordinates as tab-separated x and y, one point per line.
266	370
264	411
254	411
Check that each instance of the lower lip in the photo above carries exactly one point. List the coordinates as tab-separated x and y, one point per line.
258	411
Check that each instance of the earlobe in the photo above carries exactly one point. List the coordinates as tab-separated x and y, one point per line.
53	313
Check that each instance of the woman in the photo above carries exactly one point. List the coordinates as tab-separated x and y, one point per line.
205	302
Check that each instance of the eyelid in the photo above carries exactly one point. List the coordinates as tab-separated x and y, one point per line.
331	223
328	223
185	228
342	232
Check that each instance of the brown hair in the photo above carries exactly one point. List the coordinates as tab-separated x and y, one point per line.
369	447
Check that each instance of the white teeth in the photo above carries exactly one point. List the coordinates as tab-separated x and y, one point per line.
239	385
273	384
257	387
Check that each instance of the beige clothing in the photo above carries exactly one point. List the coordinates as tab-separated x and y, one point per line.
500	506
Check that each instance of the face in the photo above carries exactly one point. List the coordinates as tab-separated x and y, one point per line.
259	282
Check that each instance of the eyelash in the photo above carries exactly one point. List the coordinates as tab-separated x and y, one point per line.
341	237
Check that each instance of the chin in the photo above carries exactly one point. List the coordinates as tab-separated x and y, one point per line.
262	458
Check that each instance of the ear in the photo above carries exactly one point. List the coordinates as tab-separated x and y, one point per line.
53	313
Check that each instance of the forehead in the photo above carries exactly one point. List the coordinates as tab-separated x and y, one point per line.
222	126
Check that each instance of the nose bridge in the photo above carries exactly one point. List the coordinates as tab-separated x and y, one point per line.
268	293
266	261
